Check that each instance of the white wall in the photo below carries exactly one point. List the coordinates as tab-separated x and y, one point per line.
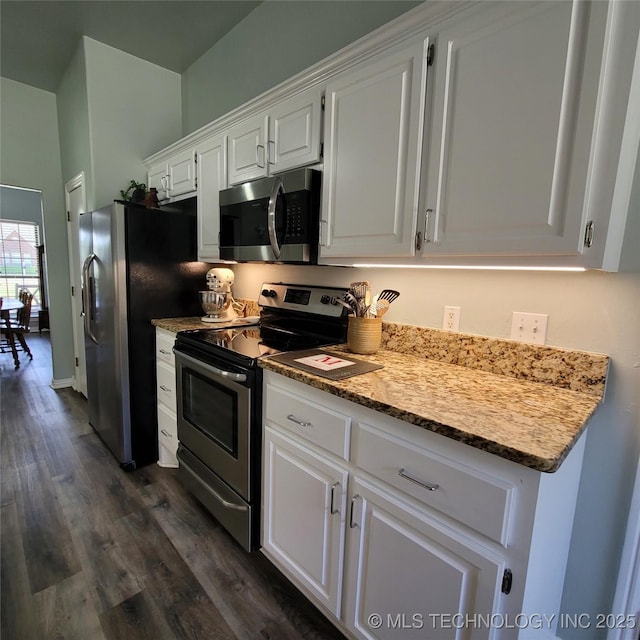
30	157
134	110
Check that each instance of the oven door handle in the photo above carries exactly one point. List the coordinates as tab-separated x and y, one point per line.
221	373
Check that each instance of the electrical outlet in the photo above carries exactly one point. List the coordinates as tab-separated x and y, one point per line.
451	319
529	327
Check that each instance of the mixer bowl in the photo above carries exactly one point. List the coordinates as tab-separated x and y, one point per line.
215	302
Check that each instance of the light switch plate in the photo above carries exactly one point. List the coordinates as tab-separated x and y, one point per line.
529	327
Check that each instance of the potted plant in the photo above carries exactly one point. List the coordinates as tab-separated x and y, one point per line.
136	192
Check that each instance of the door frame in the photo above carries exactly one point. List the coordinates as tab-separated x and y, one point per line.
75	277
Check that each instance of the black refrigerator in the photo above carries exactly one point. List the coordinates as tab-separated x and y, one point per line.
138	264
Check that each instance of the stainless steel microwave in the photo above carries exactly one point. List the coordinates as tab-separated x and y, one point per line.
273	219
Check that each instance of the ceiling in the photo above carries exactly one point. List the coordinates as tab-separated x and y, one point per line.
39	37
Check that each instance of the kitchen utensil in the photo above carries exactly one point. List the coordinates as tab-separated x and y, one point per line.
360	291
382	306
353	302
389	294
346	305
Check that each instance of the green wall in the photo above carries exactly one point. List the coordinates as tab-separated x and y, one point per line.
30	157
275	41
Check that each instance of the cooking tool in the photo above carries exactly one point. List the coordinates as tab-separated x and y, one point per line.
360	291
354	303
389	294
346	305
382	306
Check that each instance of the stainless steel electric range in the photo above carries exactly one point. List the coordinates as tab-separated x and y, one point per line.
219	397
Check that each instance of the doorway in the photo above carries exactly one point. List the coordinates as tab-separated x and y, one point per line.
76	203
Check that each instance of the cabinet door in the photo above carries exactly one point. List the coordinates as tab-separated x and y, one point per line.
303	509
182	173
514	105
407	577
212	177
294	132
247	150
373	142
158	177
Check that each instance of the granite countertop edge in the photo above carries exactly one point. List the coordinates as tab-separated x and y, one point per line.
524	403
382	390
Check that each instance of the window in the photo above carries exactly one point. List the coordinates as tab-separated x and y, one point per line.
19	260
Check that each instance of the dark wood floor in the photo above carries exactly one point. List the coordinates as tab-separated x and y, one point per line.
90	552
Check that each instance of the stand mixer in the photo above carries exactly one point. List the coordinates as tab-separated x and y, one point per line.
217	302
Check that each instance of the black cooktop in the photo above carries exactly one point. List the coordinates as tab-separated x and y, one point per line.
288	321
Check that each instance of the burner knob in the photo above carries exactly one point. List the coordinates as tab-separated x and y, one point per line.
269	293
325	299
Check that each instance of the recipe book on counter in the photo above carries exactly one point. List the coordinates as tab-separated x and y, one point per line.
325	364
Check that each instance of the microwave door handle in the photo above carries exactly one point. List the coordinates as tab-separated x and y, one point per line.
278	188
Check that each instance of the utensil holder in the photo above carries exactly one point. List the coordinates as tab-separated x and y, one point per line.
364	334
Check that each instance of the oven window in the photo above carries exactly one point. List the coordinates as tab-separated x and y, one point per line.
212	408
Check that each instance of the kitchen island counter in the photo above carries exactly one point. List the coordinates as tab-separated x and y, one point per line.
529	422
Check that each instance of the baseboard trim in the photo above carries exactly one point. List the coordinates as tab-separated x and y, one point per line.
61	383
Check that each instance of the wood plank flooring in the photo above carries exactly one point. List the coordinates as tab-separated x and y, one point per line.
89	552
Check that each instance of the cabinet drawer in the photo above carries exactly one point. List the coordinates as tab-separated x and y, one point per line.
164	346
324	427
467	495
166	377
167	437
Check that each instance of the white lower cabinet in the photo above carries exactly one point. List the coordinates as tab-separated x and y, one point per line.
403	533
407	577
304	520
166	395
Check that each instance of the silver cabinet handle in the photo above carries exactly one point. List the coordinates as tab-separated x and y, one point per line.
302	423
165	388
352	524
164	432
271	145
333	491
424	485
271	216
258	147
166	353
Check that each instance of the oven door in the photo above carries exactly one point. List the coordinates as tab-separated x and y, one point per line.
214	418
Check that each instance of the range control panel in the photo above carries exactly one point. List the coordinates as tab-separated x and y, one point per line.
303	298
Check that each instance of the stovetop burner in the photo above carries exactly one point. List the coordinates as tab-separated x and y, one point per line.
292	317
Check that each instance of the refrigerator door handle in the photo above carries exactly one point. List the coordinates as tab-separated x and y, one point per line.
87	298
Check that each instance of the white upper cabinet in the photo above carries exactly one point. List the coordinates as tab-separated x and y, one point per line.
284	137
515	98
212	177
158	178
373	132
182	173
174	177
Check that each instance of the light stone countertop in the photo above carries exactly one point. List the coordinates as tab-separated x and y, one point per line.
526	403
530	423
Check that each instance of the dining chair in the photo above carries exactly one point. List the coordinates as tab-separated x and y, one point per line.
13	330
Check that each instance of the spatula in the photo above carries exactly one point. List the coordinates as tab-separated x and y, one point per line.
389	294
